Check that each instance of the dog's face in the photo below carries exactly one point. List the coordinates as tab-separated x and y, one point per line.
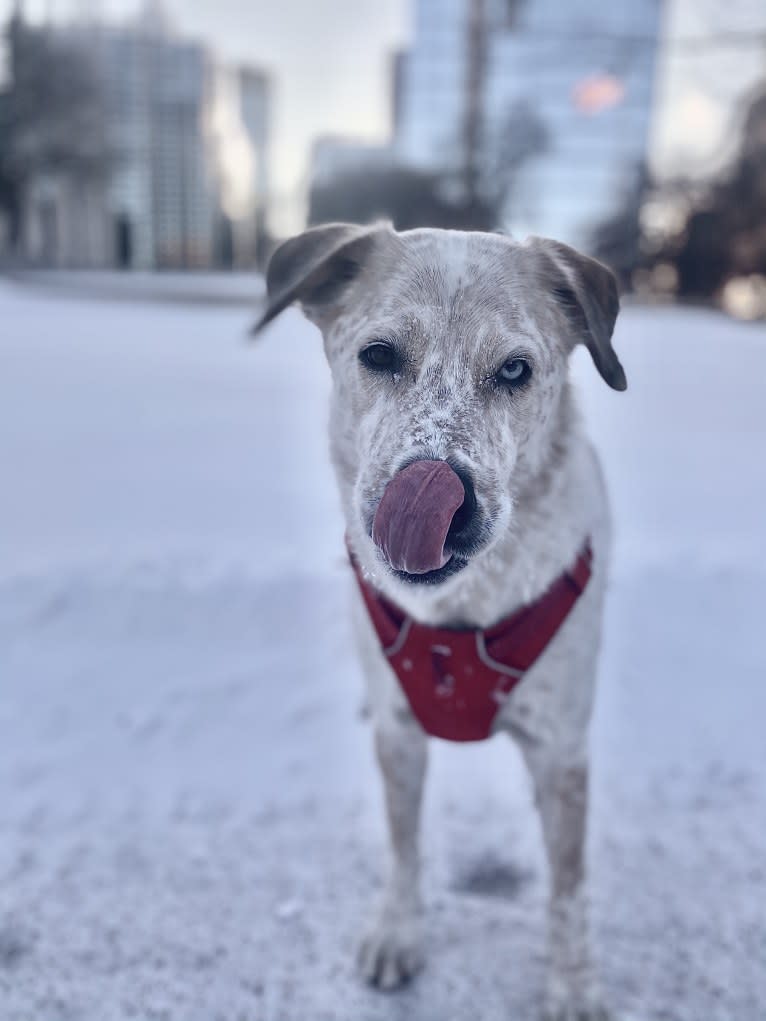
448	353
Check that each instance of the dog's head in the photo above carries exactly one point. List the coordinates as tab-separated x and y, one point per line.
448	352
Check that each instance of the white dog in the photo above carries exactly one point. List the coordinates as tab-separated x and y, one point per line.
477	523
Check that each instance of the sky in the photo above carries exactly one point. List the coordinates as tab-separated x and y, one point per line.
331	63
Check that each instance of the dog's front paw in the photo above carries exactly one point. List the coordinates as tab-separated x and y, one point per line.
392	953
575	1013
577	1010
575	1001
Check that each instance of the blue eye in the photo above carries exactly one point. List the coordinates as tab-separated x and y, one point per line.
515	372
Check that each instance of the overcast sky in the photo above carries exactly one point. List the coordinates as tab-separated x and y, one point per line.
331	66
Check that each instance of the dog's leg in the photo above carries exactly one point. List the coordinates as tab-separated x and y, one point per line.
392	951
561	787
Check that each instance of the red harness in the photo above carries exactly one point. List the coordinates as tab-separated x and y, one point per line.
457	680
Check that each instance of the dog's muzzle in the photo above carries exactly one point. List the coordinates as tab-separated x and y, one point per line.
425	513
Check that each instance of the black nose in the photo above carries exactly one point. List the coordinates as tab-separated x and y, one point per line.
464	534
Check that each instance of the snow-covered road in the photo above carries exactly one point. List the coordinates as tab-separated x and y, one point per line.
190	821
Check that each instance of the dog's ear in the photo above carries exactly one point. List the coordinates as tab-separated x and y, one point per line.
586	292
316	267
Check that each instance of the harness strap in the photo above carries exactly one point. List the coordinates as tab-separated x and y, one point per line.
456	679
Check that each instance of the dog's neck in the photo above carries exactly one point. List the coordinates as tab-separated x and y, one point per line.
555	510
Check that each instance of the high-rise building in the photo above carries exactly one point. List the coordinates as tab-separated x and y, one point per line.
572	84
432	83
255	106
255	112
180	146
126	65
332	156
186	126
161	192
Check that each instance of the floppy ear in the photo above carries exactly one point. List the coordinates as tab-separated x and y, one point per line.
315	268
586	292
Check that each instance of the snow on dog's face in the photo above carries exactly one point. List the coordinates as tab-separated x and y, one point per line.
448	352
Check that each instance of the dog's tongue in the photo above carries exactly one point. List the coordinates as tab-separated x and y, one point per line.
414	516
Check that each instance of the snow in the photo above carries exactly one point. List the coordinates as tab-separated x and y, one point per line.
191	823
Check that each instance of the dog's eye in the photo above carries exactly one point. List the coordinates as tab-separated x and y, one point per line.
379	356
515	372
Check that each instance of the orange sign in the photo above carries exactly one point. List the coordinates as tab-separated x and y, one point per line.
597	93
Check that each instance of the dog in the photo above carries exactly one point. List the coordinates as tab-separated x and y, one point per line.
474	507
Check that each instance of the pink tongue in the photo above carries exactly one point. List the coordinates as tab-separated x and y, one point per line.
414	516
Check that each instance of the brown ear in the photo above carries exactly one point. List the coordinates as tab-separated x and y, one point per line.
315	268
586	291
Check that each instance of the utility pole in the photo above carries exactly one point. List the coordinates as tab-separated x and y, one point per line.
475	82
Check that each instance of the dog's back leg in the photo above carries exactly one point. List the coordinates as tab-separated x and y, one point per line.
561	790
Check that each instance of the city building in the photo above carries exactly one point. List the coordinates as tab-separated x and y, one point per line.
332	156
582	79
254	108
188	141
162	190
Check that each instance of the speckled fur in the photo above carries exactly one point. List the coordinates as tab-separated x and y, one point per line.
458	305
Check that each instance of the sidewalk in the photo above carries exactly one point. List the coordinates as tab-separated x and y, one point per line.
234	289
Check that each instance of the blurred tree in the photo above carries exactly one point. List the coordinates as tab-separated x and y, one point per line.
51	115
617	241
521	137
410	198
728	236
9	186
725	234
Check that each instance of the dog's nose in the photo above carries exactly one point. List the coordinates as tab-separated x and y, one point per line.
465	523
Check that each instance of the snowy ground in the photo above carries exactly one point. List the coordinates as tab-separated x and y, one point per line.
190	821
